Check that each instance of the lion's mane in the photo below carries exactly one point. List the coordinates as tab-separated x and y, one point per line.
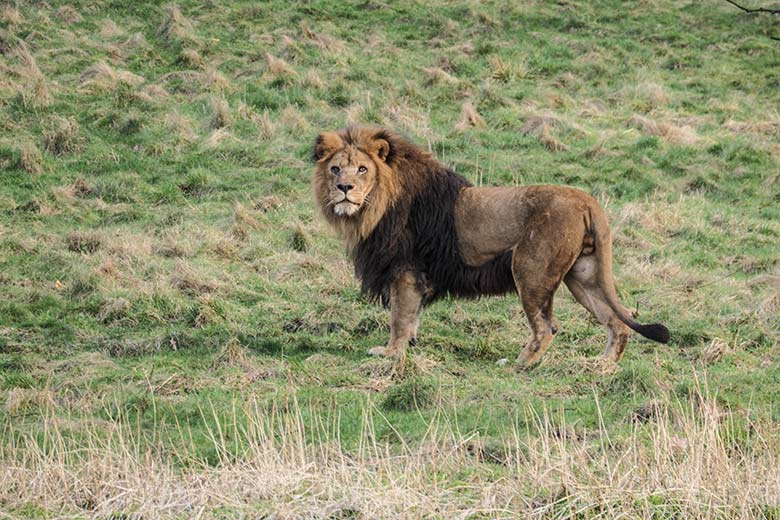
416	230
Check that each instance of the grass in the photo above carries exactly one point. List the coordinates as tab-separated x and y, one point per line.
164	273
679	465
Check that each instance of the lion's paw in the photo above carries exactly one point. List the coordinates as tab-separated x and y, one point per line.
528	359
378	351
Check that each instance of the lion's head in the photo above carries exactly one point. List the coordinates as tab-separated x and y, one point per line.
353	181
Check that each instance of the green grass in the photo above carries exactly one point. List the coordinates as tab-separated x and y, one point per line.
158	209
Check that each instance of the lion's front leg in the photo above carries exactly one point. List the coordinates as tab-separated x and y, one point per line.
405	306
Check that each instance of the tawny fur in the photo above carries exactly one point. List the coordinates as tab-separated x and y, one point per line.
417	232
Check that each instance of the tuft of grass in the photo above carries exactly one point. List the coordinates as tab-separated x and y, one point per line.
682	135
102	77
300	240
10	15
83	241
439	76
469	118
113	308
174	25
278	68
544	127
61	135
109	29
411	393
231	354
190	281
507	71
190	58
68	14
221	116
30	159
650	96
25	400
713	351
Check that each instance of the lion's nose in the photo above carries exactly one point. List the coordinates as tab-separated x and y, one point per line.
344	187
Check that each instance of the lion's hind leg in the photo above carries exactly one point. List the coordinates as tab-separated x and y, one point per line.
538	273
582	282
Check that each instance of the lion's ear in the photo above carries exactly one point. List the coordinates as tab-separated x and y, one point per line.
381	149
326	144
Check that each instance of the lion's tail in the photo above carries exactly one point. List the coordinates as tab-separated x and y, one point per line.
603	251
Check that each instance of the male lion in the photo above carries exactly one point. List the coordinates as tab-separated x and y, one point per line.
417	231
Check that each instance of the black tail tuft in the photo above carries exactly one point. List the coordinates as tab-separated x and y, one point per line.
654	331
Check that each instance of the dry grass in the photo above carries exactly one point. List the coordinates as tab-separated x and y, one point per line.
355	114
649	96
113	308
767	127
30	84
102	76
152	94
231	354
277	67
682	461
180	126
68	14
173	246
543	126
135	41
266	129
84	241
213	80
668	131
30	159
35	94
294	121
506	71
10	15
243	216
61	136
313	79
20	400
330	45
109	29
599	149
190	58
29	66
190	281
714	351
439	76
220	113
216	137
469	118
175	26
410	120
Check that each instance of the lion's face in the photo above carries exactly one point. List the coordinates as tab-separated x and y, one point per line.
353	184
350	176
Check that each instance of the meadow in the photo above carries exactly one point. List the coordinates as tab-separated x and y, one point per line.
181	335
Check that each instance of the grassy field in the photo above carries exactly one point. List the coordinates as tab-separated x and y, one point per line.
181	336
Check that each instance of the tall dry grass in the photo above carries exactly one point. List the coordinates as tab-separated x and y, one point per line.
688	460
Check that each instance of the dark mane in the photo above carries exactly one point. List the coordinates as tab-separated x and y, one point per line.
418	232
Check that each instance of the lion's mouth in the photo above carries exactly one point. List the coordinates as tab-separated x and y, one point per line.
345	207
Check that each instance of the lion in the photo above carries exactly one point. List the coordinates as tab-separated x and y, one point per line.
417	231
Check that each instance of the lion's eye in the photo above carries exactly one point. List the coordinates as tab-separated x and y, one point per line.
335	169
362	169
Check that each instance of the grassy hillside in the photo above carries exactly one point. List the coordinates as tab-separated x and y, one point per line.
171	304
